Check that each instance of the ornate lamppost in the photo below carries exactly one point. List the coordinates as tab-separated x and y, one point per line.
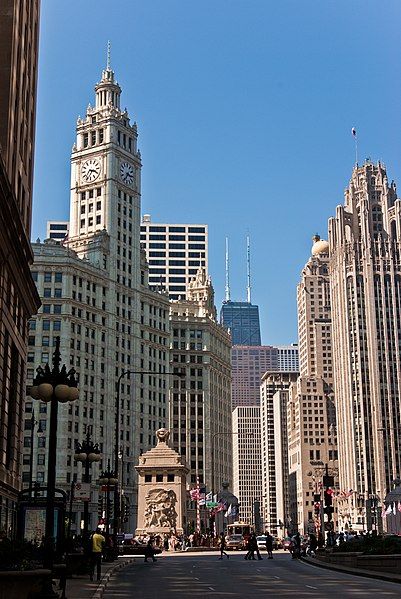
53	386
40	433
87	452
108	478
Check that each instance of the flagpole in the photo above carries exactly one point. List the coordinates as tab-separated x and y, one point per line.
356	150
198	517
355	136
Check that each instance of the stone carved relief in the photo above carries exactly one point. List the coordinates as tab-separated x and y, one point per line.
160	508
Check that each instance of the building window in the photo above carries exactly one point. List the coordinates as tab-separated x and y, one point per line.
46	325
34	274
47	277
86	140
47	292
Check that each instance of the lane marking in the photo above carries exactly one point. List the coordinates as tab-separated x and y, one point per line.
196	578
309	587
278	577
211	588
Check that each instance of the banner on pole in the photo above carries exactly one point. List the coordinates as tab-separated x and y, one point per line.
82	492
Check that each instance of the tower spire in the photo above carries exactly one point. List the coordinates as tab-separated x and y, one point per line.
227	273
248	268
108	67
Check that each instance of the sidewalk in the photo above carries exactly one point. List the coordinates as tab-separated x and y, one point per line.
80	587
387	576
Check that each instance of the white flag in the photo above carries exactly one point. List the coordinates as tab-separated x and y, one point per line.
209	496
228	512
389	509
394	509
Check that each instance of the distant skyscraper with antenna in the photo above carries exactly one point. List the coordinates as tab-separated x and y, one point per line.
242	318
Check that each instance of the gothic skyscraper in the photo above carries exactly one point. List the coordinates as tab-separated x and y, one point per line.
365	274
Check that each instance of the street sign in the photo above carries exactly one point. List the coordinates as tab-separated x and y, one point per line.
82	492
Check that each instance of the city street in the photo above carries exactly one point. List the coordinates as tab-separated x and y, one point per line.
202	575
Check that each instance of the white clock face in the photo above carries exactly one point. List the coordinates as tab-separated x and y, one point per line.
90	170
127	173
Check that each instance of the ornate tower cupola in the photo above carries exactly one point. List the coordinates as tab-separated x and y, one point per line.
107	90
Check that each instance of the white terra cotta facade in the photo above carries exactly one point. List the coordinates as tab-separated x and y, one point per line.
162	475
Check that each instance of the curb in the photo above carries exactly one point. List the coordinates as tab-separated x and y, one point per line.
98	594
354	571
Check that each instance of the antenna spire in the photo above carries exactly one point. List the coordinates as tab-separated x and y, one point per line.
108	55
248	268
227	273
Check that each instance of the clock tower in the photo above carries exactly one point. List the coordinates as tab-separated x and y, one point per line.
105	185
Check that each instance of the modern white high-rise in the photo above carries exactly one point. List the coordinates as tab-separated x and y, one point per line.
175	252
247	462
270	385
96	297
57	229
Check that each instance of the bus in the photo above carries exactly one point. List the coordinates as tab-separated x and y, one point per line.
239	528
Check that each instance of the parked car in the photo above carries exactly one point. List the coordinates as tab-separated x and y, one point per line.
261	541
235	542
132	547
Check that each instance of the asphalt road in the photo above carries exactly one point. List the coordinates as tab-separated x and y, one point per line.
200	576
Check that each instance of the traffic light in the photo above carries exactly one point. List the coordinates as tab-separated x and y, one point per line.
328	502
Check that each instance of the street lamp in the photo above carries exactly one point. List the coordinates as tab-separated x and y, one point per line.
53	386
40	432
87	453
108	478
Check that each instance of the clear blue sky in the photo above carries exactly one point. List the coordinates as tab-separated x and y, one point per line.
244	109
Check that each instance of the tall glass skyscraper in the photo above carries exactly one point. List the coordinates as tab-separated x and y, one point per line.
242	318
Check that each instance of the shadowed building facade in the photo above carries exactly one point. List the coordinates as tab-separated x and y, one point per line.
19	25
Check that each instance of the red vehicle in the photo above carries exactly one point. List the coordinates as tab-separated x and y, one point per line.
286	543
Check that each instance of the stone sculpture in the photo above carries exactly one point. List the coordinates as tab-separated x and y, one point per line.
160	508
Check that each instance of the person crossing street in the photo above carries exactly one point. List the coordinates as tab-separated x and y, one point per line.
223	545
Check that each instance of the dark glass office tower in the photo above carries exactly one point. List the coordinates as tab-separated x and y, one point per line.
242	318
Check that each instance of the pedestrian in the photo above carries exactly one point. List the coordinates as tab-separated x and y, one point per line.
149	550
250	554
255	546
296	546
97	543
269	545
223	545
312	544
252	546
